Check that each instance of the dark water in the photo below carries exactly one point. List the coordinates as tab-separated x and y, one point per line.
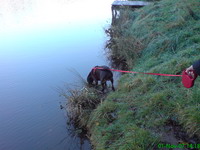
39	41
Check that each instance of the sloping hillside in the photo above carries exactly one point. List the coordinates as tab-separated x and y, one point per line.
146	110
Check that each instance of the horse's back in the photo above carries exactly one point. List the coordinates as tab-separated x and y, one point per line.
105	73
103	68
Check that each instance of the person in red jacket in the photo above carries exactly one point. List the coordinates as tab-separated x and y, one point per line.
194	67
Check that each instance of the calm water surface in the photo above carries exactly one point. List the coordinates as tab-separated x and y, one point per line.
39	41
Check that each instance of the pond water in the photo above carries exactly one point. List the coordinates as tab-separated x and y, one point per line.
39	41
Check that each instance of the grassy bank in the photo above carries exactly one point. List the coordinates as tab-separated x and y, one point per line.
163	37
146	110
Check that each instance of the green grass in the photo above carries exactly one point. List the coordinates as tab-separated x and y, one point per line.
163	37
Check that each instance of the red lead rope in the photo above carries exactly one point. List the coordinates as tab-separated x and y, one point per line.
158	74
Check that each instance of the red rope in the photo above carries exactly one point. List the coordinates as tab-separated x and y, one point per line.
158	74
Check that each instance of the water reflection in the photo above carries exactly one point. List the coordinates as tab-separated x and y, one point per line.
39	40
28	14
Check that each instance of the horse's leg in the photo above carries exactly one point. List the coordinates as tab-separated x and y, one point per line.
96	82
103	85
112	84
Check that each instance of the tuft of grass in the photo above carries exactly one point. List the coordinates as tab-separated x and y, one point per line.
81	100
80	104
190	118
125	46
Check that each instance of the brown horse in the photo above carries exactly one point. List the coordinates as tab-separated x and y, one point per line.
100	73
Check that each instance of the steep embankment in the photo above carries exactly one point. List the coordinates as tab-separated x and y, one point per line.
146	110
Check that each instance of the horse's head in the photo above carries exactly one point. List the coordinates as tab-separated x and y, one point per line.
90	79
